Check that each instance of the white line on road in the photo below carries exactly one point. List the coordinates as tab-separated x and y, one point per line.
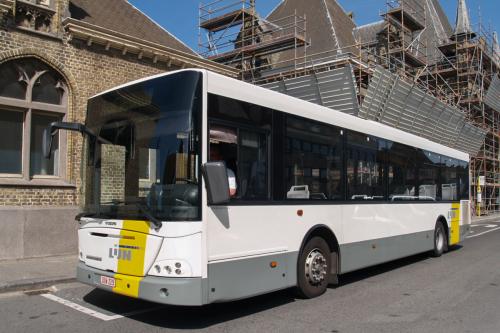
484	232
94	313
484	225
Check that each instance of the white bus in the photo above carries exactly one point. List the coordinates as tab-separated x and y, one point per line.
312	193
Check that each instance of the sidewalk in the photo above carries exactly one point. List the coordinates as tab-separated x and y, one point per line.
37	273
486	219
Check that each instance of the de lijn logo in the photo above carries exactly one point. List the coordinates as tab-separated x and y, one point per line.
121	254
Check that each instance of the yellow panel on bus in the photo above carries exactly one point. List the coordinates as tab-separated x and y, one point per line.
455	224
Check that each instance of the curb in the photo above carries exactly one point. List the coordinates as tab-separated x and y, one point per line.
33	284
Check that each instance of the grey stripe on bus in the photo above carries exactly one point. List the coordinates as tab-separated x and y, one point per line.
363	254
236	279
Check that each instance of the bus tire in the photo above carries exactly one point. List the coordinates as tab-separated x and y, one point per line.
313	269
440	240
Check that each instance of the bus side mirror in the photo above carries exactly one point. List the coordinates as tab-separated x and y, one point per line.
51	130
216	182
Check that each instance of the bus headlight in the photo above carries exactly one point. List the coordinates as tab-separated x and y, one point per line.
171	268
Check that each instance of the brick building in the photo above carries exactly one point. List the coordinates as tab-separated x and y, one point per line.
54	55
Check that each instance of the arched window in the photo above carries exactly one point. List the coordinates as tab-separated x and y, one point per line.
32	95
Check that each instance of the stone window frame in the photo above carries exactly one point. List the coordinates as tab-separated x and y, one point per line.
27	106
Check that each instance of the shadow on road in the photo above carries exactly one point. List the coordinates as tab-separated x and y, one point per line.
177	317
182	317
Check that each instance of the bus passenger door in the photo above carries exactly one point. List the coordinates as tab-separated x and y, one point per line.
247	253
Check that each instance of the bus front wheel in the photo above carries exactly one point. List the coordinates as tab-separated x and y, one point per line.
440	240
313	268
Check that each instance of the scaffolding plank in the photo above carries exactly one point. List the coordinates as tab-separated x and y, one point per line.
406	19
226	20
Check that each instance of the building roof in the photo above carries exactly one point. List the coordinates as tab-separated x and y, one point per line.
121	16
368	33
440	22
328	26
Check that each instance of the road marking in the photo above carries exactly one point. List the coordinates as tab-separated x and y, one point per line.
484	225
94	313
484	232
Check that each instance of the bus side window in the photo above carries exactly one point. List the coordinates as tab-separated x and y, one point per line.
402	174
449	179
253	165
428	175
313	160
240	132
246	156
365	167
224	147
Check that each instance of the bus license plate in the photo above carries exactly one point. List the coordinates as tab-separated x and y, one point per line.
108	281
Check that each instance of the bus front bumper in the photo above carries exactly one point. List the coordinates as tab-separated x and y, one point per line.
172	291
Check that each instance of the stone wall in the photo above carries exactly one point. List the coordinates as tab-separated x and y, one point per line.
37	232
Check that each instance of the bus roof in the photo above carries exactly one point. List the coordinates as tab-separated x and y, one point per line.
131	83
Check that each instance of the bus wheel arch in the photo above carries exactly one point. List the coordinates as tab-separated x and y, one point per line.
327	234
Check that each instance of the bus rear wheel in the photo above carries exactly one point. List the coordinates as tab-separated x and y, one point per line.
440	240
313	268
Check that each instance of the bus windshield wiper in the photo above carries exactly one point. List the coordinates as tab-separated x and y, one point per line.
79	216
144	209
147	211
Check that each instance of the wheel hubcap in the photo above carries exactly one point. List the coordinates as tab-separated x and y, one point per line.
316	266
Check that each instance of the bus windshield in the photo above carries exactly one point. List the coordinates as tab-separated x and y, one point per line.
149	166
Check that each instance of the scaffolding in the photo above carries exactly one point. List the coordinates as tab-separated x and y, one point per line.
470	64
231	32
402	45
461	76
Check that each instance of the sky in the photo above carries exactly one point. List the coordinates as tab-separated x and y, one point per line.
180	17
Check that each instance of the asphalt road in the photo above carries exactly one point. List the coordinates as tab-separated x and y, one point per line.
459	292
